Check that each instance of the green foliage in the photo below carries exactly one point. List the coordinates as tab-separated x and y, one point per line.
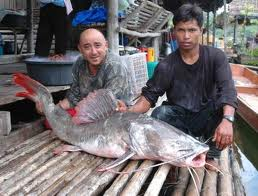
252	52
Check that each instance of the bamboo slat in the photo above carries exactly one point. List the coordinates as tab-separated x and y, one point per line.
134	185
81	177
96	181
158	180
120	182
75	167
225	180
198	176
23	169
181	185
209	187
238	186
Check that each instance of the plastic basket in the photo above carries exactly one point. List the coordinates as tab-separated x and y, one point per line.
137	67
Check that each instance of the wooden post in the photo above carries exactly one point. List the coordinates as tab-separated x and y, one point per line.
156	48
112	27
235	27
214	26
207	28
5	123
225	25
29	32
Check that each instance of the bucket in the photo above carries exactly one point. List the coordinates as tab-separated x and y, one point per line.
1	45
8	47
151	67
150	55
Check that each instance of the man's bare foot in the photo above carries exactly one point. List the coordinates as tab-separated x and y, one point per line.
55	57
212	164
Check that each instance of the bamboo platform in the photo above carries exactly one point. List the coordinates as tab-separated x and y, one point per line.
31	168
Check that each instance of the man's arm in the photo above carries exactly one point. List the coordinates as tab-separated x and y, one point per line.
224	132
141	106
73	94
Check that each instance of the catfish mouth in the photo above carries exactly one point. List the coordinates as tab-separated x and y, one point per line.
197	160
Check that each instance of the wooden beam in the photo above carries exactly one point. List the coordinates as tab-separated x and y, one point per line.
5	123
29	33
132	14
112	27
137	34
152	20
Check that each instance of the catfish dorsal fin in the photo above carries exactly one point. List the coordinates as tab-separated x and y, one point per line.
96	106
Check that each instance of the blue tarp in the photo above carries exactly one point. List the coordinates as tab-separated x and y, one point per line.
88	17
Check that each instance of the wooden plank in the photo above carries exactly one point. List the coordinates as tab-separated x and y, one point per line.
81	178
96	182
225	179
5	123
198	176
180	187
132	14
137	34
11	187
18	136
158	180
237	182
33	144
11	177
209	187
51	174
53	185
120	182
134	185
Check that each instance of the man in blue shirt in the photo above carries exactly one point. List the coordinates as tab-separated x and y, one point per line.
53	21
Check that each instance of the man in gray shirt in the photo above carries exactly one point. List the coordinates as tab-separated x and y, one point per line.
97	68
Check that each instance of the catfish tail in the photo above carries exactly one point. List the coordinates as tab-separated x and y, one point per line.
34	90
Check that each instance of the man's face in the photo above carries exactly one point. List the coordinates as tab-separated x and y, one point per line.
93	47
187	34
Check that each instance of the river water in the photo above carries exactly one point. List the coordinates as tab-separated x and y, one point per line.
246	151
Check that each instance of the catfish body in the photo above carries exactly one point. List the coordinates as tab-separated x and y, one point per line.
102	131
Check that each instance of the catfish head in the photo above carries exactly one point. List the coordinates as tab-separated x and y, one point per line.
157	140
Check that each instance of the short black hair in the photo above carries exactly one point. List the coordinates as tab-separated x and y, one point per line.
188	12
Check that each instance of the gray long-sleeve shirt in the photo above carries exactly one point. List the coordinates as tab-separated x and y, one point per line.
113	75
193	86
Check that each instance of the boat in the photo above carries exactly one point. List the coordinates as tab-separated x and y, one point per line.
246	82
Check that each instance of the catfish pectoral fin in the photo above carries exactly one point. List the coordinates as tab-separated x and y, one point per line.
123	158
66	148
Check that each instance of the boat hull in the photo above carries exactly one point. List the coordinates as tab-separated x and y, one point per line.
246	82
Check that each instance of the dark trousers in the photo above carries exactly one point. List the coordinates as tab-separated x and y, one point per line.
53	21
200	125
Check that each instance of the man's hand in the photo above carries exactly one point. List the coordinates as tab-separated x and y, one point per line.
64	104
121	106
39	108
223	134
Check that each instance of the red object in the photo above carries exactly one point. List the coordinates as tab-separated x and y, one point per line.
70	111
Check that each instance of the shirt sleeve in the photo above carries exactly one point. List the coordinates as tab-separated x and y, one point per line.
226	91
117	80
158	84
73	94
